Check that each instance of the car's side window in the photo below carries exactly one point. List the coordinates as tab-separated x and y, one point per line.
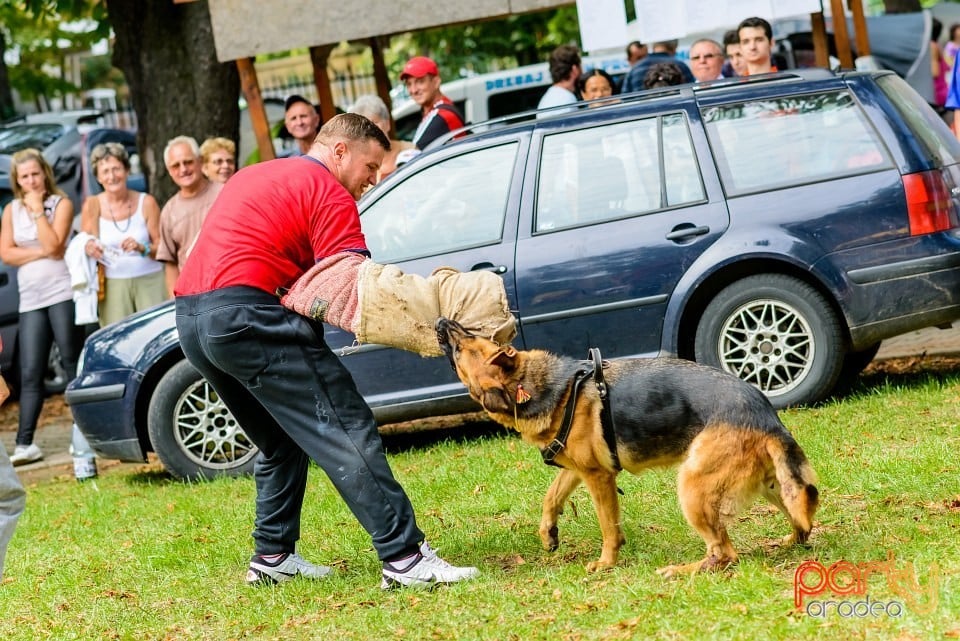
453	204
611	171
781	142
680	163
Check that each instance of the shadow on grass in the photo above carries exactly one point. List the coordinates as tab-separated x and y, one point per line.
911	372
464	432
399	437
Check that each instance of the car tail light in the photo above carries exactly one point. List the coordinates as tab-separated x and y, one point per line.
930	207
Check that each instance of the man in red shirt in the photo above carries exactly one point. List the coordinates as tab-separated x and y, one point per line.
290	392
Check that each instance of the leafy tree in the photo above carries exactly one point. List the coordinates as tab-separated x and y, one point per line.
506	42
177	86
40	41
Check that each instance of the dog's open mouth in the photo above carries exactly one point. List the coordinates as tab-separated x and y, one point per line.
443	327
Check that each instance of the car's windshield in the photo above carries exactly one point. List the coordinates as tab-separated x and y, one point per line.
17	137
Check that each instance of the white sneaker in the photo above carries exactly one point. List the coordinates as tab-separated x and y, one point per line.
423	570
277	568
24	454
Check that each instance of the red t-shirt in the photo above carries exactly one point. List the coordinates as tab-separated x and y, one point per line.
269	225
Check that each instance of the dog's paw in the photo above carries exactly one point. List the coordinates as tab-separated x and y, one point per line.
598	566
670	571
550	538
709	564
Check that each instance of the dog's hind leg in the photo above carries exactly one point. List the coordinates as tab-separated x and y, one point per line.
560	490
603	490
706	504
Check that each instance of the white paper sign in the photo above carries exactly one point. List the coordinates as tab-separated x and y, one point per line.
790	8
603	24
659	20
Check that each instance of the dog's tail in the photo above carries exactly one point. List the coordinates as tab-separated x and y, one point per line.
799	496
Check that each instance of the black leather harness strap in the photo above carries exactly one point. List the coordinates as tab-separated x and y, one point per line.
559	442
606	410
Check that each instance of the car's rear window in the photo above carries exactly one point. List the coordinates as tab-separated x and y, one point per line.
793	140
927	127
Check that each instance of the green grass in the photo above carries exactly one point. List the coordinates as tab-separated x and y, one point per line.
140	556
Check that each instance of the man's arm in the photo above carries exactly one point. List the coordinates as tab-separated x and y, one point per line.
171	273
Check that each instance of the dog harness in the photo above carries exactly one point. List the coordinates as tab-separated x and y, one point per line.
592	367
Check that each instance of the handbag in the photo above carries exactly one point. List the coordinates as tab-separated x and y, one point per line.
101	282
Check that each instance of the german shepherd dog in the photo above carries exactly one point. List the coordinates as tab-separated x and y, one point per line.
722	432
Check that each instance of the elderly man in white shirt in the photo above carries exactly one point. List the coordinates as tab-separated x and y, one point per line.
706	60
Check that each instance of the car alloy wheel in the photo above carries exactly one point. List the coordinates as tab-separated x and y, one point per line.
193	432
776	332
207	431
767	343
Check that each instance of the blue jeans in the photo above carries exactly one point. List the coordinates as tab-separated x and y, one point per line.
296	401
12	501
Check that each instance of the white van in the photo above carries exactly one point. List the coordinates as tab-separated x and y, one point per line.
501	93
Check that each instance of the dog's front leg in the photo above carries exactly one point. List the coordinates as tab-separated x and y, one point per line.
603	489
560	490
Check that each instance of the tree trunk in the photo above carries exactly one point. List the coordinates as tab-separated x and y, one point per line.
177	86
7	109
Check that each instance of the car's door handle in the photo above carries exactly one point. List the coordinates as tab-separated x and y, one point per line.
685	231
490	267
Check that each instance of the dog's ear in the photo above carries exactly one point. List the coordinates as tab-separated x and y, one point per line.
495	400
505	359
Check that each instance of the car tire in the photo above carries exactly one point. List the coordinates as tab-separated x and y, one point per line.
192	431
853	364
776	332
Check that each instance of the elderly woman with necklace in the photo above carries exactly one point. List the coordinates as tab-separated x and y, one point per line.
126	224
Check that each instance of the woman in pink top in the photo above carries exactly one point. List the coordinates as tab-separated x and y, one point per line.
33	238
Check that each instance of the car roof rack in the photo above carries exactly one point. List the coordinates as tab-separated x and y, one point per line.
645	95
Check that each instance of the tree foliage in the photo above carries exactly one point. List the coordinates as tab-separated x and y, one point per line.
506	42
41	36
177	85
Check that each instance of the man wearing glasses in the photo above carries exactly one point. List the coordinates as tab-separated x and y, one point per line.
182	215
706	60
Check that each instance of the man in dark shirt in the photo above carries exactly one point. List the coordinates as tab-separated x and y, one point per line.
662	52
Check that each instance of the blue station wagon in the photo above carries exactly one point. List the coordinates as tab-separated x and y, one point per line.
779	227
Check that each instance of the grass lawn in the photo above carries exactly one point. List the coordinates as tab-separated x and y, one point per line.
141	556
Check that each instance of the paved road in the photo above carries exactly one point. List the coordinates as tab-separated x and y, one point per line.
54	437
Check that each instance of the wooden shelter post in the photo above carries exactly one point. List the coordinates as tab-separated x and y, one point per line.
860	27
256	108
840	35
321	78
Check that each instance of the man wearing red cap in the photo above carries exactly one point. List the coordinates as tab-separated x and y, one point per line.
422	79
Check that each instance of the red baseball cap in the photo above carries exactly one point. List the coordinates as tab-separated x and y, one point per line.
418	67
